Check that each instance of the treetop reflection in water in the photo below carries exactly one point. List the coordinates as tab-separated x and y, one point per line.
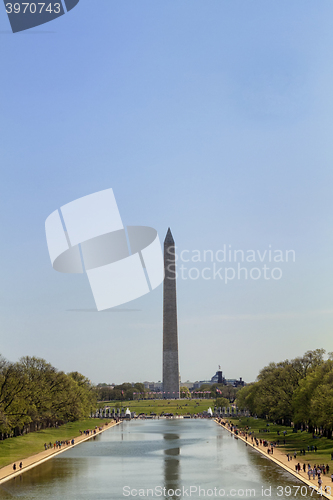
151	455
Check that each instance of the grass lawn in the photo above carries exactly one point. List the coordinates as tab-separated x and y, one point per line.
18	448
294	441
158	406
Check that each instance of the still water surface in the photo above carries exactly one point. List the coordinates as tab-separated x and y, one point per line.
155	454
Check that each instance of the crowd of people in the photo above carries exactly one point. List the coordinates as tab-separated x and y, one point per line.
317	471
58	444
89	432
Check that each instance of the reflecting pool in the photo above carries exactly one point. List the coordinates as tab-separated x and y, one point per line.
157	459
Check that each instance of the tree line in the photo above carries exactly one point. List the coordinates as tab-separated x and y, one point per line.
35	395
127	392
121	392
295	392
221	391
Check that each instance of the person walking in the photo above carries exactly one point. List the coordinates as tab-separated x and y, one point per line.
14	467
21	465
320	482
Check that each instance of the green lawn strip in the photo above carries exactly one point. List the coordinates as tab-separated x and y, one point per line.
294	441
175	406
20	447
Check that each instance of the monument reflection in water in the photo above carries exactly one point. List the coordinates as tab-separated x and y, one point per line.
171	465
142	455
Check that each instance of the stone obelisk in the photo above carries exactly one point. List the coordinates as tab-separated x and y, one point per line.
170	333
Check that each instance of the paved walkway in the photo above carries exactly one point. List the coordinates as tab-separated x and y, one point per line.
7	473
281	459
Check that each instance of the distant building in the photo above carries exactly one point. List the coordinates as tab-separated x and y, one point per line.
187	384
219	379
235	383
198	384
105	386
153	386
216	379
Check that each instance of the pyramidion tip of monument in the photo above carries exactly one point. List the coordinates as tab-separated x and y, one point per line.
169	237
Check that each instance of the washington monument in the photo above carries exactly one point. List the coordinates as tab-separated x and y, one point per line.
170	334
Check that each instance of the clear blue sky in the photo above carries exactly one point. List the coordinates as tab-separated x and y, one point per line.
212	117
